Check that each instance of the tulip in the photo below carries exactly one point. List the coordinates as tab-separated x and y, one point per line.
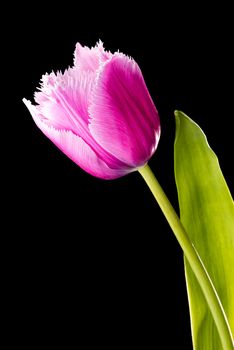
99	113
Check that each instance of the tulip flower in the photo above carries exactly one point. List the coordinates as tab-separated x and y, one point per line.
99	113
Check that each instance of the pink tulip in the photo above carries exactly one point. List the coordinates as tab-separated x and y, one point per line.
99	113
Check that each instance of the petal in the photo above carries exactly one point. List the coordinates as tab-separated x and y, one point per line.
124	119
64	97
75	148
87	59
63	104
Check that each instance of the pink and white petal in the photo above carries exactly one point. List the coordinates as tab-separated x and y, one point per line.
124	119
74	147
103	54
63	104
71	88
87	59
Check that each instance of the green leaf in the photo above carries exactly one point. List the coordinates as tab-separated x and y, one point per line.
207	213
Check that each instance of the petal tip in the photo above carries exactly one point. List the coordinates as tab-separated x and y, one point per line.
27	103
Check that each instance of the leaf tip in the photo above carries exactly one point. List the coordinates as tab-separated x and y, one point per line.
177	121
177	113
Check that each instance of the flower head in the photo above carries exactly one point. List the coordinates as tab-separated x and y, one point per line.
99	113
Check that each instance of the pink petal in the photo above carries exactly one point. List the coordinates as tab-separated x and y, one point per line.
58	91
63	104
87	59
75	148
124	119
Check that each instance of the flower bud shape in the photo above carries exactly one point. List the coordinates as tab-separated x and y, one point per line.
99	113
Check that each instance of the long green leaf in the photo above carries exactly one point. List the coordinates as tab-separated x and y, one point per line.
207	213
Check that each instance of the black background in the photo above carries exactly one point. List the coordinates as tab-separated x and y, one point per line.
90	261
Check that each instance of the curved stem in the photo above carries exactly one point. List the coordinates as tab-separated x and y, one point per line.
193	258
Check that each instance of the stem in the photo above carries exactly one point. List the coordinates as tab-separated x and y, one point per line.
193	258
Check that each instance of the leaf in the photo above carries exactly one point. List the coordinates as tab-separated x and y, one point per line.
207	213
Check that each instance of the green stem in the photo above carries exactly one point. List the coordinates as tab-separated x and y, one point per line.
193	258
